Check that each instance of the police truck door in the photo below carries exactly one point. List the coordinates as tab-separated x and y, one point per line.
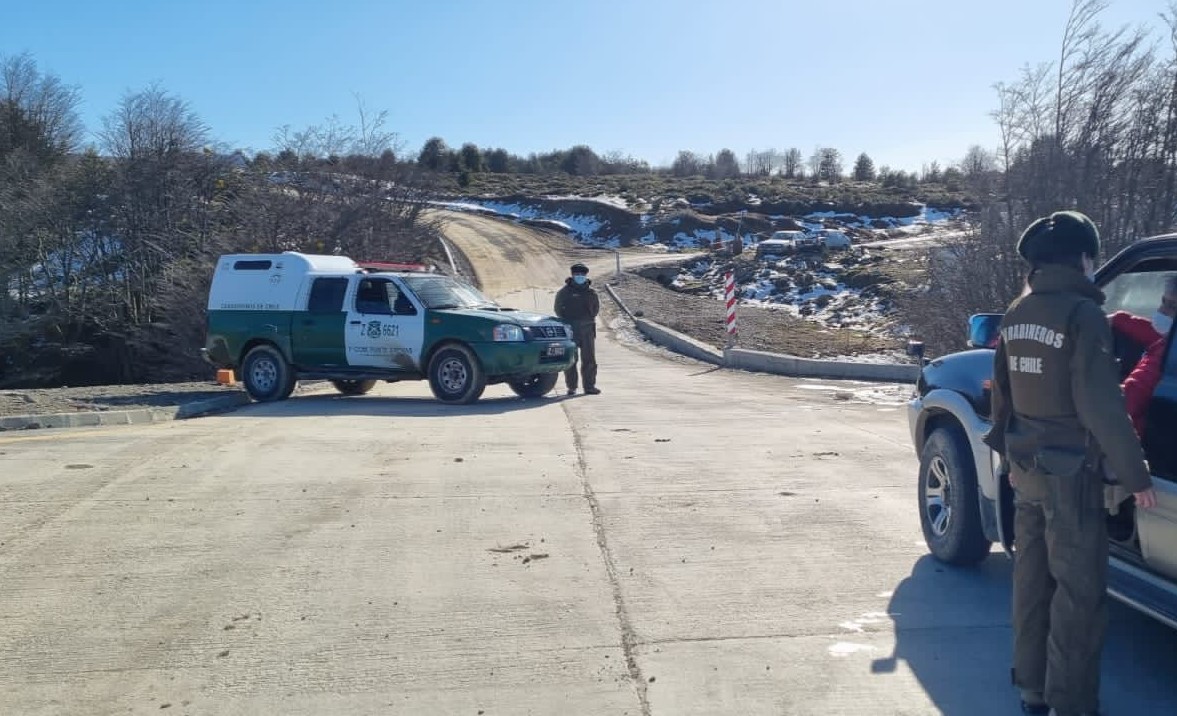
385	327
317	332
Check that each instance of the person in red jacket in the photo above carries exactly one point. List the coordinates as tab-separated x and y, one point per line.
1142	381
1140	384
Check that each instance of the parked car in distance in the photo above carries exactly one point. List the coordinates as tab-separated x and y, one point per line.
783	243
831	239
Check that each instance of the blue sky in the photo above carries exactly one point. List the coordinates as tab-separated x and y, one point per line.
907	81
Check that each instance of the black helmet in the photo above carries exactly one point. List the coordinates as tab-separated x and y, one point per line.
1063	233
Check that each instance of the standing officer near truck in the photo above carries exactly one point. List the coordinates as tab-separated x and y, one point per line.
577	304
1060	420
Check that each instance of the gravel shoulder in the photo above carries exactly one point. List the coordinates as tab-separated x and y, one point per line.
51	401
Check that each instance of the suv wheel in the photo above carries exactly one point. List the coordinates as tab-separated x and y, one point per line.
536	385
266	374
949	513
455	376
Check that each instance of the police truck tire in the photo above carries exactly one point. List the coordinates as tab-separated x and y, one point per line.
950	515
266	374
354	387
536	385
455	375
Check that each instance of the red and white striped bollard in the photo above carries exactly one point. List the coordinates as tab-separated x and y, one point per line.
729	293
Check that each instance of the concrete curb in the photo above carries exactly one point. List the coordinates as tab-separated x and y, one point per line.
617	299
679	343
776	363
763	362
139	416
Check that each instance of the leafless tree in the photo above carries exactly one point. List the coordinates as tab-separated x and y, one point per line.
793	163
39	101
826	164
1096	131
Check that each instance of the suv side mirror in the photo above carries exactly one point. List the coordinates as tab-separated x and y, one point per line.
983	330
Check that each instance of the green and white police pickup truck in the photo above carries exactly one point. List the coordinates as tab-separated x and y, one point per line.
280	318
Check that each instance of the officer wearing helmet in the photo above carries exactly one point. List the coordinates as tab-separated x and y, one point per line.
1059	420
577	303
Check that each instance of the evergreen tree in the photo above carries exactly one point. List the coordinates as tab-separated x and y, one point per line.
470	158
581	161
864	168
434	155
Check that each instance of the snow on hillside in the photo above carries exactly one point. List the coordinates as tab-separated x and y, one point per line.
591	229
926	219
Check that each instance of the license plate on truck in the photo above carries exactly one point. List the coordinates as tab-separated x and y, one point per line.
554	350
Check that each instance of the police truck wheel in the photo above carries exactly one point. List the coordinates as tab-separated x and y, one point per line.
455	376
949	512
536	385
266	375
353	387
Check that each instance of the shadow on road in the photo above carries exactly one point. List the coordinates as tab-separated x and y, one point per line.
382	406
952	630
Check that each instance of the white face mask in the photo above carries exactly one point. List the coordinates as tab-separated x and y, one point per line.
1162	323
1089	269
580	279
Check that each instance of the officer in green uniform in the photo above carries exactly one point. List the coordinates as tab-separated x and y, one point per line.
1060	421
578	304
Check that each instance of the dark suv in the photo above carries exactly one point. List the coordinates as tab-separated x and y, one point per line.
965	499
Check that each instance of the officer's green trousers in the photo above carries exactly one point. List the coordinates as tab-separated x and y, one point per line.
1060	587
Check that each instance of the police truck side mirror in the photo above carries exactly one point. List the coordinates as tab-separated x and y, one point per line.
983	330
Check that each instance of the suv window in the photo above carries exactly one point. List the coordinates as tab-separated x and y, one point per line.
1138	293
327	295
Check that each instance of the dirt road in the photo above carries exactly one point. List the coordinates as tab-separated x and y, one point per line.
693	541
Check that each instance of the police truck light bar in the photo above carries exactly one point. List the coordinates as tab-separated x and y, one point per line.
392	266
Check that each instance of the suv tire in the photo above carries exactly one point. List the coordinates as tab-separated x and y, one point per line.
455	375
266	374
353	387
536	385
949	513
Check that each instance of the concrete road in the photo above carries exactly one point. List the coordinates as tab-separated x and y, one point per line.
693	541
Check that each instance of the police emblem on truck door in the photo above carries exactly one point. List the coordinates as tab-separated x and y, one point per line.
377	329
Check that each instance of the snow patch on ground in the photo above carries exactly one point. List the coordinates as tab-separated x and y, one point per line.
616	202
894	394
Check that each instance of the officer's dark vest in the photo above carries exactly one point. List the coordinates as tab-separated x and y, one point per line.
1038	346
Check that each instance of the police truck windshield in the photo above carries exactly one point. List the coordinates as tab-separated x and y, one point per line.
442	292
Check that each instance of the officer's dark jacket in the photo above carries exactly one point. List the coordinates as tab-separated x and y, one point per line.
577	303
1056	389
